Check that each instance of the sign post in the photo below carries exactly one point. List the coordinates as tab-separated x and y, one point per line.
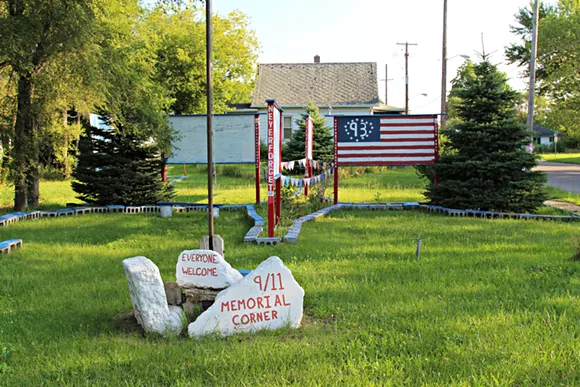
274	164
209	95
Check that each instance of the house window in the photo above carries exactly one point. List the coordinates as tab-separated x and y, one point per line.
287	128
537	140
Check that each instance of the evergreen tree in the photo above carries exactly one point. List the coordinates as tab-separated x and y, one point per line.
488	167
323	141
120	166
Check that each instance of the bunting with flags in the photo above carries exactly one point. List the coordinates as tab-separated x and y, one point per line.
307	182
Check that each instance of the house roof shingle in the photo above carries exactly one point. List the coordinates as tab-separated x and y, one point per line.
296	84
541	131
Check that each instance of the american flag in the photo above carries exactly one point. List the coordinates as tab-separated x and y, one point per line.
386	140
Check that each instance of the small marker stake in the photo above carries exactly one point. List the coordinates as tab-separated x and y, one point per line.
418	252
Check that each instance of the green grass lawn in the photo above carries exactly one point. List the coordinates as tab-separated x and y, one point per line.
570	158
489	302
561	195
236	185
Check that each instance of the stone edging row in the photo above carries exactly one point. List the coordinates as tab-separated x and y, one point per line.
294	231
252	236
177	207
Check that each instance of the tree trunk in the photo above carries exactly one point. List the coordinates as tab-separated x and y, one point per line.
23	141
33	186
65	159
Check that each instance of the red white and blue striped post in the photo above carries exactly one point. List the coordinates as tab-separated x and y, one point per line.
257	155
274	165
335	166
279	179
436	177
309	145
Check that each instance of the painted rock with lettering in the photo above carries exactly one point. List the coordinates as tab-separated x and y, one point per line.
267	298
148	298
204	269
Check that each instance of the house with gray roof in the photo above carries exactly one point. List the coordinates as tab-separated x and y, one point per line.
544	136
336	88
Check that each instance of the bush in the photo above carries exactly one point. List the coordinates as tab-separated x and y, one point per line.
540	148
233	171
50	173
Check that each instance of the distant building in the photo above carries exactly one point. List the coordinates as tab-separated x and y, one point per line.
336	88
544	136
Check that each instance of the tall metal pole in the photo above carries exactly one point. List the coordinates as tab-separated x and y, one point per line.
406	78
444	69
407	44
209	94
386	83
532	88
387	79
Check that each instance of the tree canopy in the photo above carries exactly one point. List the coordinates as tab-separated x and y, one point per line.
63	59
557	61
323	147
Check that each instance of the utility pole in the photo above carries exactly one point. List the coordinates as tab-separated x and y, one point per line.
532	88
444	69
387	79
406	44
209	94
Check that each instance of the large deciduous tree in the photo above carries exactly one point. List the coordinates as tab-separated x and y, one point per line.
122	165
34	33
557	61
487	167
179	44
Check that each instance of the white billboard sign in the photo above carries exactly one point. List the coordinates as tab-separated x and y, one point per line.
234	140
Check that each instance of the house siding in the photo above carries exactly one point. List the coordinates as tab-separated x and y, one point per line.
295	113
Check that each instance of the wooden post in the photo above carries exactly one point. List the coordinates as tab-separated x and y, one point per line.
218	244
209	95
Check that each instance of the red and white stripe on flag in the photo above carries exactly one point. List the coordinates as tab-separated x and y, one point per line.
404	140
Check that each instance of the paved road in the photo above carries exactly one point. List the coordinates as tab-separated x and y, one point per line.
563	176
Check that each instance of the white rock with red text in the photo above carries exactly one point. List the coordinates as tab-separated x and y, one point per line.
205	269
267	298
148	297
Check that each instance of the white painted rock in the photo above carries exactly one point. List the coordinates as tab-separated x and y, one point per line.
204	269
267	298
148	298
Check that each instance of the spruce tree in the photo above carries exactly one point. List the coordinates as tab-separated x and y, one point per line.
488	167
323	141
119	166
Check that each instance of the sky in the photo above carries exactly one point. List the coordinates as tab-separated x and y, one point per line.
293	31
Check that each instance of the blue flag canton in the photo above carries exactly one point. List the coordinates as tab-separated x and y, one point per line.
359	129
